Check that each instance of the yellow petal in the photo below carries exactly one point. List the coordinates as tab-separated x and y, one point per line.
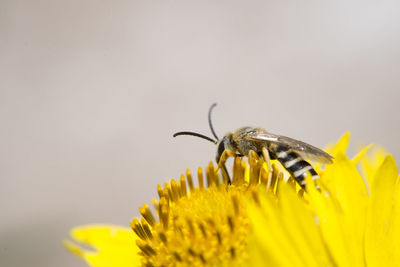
343	213
341	145
371	162
285	233
360	155
306	233
114	245
246	224
332	227
269	245
383	222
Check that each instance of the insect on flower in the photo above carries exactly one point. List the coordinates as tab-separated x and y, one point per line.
291	153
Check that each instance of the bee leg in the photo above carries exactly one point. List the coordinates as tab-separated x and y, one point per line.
221	164
267	160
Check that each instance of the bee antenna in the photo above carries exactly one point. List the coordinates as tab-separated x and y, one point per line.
209	120
195	134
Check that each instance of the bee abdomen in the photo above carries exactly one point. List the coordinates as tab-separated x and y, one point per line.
296	165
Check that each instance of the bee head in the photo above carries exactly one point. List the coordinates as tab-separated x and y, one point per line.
222	145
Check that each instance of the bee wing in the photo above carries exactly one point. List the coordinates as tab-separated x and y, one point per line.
305	150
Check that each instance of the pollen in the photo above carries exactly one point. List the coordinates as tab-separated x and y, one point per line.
205	224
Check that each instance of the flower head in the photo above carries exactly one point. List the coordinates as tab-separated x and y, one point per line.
262	219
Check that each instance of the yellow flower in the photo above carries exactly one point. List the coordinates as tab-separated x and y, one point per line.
353	221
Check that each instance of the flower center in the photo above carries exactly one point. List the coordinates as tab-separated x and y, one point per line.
204	225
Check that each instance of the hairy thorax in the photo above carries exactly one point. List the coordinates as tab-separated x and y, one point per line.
243	145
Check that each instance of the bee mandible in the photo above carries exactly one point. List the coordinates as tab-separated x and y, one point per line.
291	153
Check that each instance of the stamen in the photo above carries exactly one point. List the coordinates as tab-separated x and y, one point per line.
203	230
163	237
146	213
278	181
164	216
219	238
155	204
146	229
177	257
230	223
237	172
209	175
147	249
160	191
264	176
190	225
163	211
254	194
235	201
191	252
203	260
199	225
183	186
137	228
168	191
233	252
189	179
212	177
273	178
255	166
174	190
200	178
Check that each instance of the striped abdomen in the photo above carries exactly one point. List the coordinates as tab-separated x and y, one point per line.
295	165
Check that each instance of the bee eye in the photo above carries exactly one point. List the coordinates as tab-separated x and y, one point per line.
221	148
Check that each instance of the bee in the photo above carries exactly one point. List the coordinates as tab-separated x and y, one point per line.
291	153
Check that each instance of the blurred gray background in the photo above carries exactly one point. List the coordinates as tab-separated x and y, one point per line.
92	91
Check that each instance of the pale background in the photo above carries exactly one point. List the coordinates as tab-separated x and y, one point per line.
92	91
